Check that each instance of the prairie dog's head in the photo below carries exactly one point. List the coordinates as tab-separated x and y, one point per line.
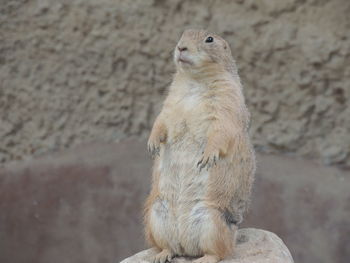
198	50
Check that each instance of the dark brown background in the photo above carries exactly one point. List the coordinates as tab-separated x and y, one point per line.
76	71
84	205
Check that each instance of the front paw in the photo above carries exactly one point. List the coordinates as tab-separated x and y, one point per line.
209	159
153	146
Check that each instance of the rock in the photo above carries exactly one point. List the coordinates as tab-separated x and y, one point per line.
253	246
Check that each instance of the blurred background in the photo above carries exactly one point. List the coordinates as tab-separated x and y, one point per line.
81	82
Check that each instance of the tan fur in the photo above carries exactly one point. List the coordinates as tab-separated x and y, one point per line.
204	162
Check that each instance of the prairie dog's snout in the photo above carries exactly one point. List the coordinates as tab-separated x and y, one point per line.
186	51
182	48
183	55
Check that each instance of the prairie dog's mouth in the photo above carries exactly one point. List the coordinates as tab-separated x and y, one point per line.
184	59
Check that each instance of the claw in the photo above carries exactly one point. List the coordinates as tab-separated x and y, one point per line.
208	161
202	163
153	149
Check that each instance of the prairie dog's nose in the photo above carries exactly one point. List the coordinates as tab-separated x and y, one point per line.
181	48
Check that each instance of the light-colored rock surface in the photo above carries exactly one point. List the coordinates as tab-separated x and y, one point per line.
87	70
253	246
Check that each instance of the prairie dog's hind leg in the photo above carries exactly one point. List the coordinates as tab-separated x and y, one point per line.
217	240
164	256
205	232
163	229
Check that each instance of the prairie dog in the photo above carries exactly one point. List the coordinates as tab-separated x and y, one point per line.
204	162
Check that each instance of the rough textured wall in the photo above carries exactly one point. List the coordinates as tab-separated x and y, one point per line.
85	70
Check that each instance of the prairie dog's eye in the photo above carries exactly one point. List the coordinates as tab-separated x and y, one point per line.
209	40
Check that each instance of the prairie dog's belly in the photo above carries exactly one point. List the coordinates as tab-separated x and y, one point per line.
182	189
180	179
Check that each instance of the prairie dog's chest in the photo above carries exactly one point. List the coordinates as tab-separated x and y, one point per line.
189	98
191	102
187	110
